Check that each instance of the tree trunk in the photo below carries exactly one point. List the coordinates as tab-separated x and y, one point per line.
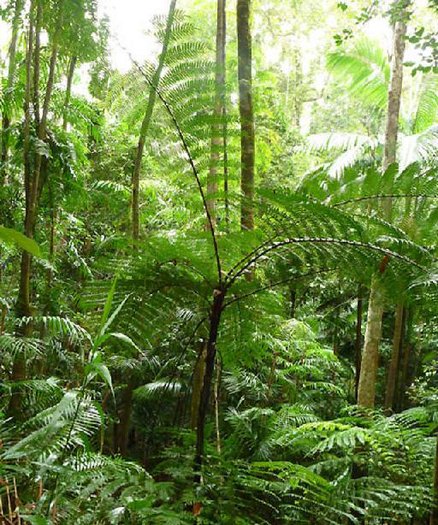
23	309
394	101
226	173
218	139
32	177
247	137
370	357
12	66
393	369
135	204
373	334
125	417
358	339
394	94
71	71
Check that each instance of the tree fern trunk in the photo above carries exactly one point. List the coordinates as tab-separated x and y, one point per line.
215	318
247	138
135	204
394	364
370	356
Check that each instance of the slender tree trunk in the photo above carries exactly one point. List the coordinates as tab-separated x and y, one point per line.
406	358
226	173
402	382
42	124
70	73
373	334
366	392
23	300
247	139
52	247
393	369
394	102
217	139
394	94
434	513
32	179
32	176
358	339
135	204
126	409
53	209
12	67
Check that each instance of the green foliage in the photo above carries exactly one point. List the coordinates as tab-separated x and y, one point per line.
11	236
113	347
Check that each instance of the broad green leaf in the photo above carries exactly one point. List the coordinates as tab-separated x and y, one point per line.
11	236
108	304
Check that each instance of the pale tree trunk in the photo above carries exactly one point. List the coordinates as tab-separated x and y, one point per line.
218	138
247	136
394	94
373	334
366	391
394	364
394	101
12	67
135	199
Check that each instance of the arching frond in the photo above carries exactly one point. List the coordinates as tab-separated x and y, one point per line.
365	70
